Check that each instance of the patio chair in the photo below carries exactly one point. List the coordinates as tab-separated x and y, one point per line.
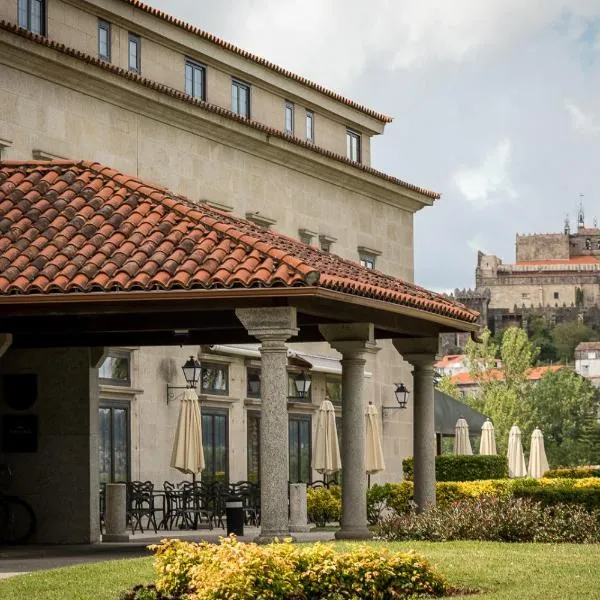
140	504
196	504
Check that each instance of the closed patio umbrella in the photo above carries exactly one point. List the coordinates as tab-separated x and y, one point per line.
538	463
516	460
487	444
326	454
462	443
188	454
373	451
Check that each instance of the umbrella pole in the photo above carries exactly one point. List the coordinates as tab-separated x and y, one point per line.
368	481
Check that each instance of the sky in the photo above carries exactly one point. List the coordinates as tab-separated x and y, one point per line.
496	105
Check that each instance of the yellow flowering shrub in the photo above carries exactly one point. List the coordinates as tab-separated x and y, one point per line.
282	571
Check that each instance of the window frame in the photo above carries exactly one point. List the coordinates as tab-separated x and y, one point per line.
289	109
212	412
213	392
298	418
310	115
105	404
195	66
110	380
43	16
240	84
366	259
249	393
134	37
104	25
351	135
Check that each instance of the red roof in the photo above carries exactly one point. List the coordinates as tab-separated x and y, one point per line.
447	360
497	374
79	227
583	346
257	59
213	108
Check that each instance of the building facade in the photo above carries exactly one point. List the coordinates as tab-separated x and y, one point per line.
120	83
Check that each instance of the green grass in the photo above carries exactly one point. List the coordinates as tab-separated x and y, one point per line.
502	571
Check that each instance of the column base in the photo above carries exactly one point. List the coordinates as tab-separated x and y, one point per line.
300	528
268	537
354	534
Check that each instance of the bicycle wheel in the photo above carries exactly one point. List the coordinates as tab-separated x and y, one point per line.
17	520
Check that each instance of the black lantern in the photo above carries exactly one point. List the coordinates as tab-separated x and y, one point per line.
401	393
302	382
191	371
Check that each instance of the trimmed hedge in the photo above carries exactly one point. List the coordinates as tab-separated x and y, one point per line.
449	467
573	473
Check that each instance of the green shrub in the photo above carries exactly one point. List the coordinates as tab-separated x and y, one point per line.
324	505
449	467
286	571
588	498
489	518
573	473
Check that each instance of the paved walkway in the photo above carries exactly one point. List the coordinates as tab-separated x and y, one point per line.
16	560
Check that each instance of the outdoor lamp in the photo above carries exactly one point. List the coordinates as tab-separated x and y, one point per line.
191	371
401	392
302	382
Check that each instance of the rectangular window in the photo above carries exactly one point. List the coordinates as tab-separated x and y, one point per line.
195	80
215	379
289	118
32	15
310	125
240	98
215	444
104	39
114	442
253	383
556	295
135	62
299	427
253	446
333	390
367	261
116	369
353	145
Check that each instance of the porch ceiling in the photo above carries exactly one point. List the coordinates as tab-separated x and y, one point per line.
89	256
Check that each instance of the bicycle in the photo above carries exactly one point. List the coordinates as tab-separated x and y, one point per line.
17	519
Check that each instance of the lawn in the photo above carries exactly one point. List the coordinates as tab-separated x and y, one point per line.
502	571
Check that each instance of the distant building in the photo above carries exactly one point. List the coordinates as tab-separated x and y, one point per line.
587	361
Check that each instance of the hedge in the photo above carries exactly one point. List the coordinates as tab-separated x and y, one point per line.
449	467
573	472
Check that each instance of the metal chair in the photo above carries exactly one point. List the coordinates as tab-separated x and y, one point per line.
140	504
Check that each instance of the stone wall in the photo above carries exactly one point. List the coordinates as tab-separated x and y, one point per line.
544	246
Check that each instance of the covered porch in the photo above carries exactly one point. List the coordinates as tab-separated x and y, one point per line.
91	258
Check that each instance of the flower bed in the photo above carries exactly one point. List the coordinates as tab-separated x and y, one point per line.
284	571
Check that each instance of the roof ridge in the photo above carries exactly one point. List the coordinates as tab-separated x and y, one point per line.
258	59
214	108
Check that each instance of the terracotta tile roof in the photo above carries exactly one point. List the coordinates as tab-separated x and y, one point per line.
583	346
447	360
575	260
257	59
69	227
496	374
213	108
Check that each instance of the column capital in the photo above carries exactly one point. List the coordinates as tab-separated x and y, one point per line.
352	340
269	324
420	352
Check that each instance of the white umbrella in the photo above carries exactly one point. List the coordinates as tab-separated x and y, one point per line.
487	444
326	455
373	451
462	443
188	454
516	460
538	463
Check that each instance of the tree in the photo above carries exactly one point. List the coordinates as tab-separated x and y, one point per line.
540	335
446	386
566	336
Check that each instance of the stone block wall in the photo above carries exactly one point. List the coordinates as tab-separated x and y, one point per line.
545	246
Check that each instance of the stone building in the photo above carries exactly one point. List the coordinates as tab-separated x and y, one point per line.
119	83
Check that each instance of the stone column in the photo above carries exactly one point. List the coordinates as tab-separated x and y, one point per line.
353	341
421	353
115	513
273	326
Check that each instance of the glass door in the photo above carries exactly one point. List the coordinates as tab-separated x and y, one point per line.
114	442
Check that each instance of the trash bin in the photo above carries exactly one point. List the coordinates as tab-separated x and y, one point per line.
234	513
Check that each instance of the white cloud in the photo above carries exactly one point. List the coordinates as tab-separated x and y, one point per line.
477	243
489	183
585	123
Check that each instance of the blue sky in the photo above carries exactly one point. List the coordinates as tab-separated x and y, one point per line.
496	105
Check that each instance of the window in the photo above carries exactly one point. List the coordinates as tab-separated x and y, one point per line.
353	145
253	446
116	369
4	145
333	390
103	39
306	236
253	383
310	125
289	118
556	295
240	98
299	427
524	295
195	80
32	15
326	241
215	379
215	445
588	244
114	442
591	355
367	257
135	63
